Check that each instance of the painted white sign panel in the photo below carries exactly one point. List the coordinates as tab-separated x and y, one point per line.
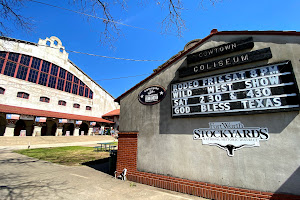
26	117
269	88
231	136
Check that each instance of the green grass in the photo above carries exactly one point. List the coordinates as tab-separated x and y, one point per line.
71	156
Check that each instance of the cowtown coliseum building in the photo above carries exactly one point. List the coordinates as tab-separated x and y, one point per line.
218	120
43	93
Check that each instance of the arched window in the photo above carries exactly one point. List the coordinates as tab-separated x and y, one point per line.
76	105
23	95
42	72
45	99
2	90
62	103
88	108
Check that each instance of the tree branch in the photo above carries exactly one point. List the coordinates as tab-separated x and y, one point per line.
173	22
9	13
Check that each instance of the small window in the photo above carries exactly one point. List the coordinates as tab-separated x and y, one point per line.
25	60
2	90
33	74
76	80
61	50
2	54
52	81
1	63
62	103
54	70
60	84
35	63
10	69
45	99
22	72
55	42
23	95
45	66
76	105
48	43
88	108
68	86
62	73
69	76
13	56
43	79
91	94
74	89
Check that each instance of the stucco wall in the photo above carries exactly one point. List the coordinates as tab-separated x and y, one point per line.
101	103
166	145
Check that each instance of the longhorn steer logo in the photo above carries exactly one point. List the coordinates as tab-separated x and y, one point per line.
231	136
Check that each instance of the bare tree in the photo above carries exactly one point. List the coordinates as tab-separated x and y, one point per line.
171	23
111	32
10	13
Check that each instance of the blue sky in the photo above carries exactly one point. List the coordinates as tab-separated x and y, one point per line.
79	34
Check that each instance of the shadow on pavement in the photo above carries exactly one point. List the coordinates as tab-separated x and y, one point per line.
18	187
106	165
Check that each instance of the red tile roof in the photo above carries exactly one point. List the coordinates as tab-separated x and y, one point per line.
112	113
44	113
212	33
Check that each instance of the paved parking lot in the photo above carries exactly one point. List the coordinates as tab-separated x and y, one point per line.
22	177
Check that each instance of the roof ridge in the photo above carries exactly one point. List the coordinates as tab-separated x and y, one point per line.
184	52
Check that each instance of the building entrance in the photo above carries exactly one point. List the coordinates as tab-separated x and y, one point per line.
84	127
20	125
68	127
2	126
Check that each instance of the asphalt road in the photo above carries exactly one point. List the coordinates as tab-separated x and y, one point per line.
24	178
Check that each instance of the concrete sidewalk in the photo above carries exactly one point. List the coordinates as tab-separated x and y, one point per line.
24	178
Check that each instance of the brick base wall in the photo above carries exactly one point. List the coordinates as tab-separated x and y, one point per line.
127	158
127	152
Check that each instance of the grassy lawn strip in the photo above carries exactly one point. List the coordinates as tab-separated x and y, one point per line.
70	156
115	143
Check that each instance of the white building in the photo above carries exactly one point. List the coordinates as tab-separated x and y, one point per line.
43	93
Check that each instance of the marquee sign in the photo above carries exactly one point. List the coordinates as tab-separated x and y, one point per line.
152	95
231	136
268	88
221	50
231	61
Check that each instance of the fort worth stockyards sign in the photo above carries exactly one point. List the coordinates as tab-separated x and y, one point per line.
231	136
